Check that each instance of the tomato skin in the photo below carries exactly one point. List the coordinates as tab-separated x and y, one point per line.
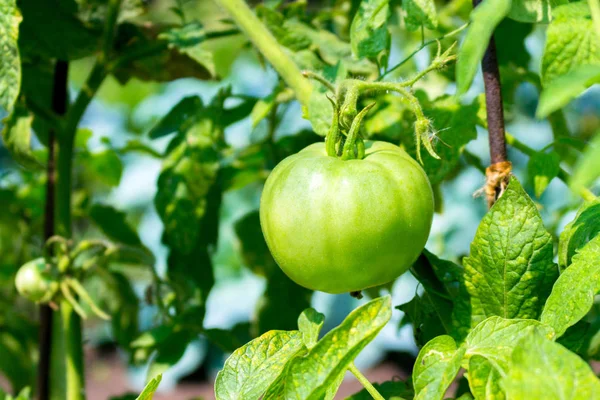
340	226
35	282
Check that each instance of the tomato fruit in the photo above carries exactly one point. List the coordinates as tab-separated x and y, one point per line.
35	282
346	225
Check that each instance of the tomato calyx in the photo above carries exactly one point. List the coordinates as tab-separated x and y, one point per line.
348	146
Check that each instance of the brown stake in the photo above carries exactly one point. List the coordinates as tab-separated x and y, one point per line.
59	105
499	171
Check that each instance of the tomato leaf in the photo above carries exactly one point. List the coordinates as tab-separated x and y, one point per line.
16	135
10	61
114	224
571	41
587	169
541	368
510	271
484	378
150	389
541	169
188	40
436	367
576	287
310	377
578	232
420	13
368	33
484	19
565	88
310	323
387	389
250	370
532	11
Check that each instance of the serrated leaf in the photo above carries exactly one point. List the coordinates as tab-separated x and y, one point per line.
283	31
114	224
542	369
436	367
578	232
310	323
495	338
541	169
250	370
368	32
510	271
571	41
178	118
532	11
587	169
565	88
420	13
484	379
16	136
150	389
573	293
188	40
10	61
484	19
310	377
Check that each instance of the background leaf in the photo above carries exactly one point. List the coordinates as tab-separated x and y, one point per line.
368	32
420	13
541	169
533	10
10	62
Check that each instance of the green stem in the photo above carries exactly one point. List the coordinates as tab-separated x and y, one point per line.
365	382
109	29
595	10
563	175
411	55
268	46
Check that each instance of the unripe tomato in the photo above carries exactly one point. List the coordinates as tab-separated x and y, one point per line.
35	282
340	226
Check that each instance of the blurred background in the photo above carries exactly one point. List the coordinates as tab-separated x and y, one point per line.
110	171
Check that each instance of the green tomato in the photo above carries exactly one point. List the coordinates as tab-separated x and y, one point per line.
35	282
341	226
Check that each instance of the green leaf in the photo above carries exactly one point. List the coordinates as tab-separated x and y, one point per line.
178	118
10	62
310	323
436	367
565	88
310	377
495	338
106	166
573	293
510	37
150	389
571	41
484	379
541	169
188	40
532	11
124	308
250	370
578	232
283	31
484	19
17	137
38	36
587	169
430	315
369	35
169	352
420	13
542	369
510	271
113	224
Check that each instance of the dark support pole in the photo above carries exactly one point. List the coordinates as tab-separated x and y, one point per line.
499	170
59	105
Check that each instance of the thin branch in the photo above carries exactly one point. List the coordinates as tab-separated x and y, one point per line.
411	55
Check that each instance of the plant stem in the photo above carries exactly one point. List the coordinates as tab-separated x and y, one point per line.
268	46
595	10
59	107
365	382
421	47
